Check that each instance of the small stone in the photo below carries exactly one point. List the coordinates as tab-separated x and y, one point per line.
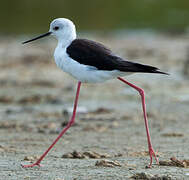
142	175
6	99
175	162
107	163
68	155
173	134
87	154
30	158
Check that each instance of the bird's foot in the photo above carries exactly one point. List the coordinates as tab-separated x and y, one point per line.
31	165
152	154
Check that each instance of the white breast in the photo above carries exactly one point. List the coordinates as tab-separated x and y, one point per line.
83	73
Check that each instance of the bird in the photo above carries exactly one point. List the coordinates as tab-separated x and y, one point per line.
91	62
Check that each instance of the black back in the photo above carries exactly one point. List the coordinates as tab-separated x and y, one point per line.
94	54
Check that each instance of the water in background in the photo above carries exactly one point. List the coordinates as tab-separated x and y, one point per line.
33	16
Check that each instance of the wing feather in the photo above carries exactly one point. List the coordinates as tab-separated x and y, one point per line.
91	53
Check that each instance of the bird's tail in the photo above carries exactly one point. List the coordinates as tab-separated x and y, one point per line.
128	66
147	69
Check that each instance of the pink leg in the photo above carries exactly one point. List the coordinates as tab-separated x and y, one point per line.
70	123
141	92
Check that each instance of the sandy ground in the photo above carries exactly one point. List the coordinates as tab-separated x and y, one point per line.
36	100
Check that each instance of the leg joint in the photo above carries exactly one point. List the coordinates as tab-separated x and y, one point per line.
141	91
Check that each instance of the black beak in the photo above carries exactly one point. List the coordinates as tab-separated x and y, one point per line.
38	37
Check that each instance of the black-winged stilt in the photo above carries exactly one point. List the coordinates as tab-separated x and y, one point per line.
91	62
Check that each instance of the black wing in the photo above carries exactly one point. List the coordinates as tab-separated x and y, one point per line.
95	54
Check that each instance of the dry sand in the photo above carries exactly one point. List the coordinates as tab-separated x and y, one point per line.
36	100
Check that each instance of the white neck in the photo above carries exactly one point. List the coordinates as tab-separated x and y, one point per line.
65	39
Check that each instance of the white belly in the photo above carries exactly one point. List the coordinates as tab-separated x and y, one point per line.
83	73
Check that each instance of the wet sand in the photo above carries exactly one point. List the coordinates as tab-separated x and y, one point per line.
36	100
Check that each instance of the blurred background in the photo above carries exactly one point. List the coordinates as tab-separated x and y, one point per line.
26	16
36	97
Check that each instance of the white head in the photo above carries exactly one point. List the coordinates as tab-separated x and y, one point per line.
63	29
